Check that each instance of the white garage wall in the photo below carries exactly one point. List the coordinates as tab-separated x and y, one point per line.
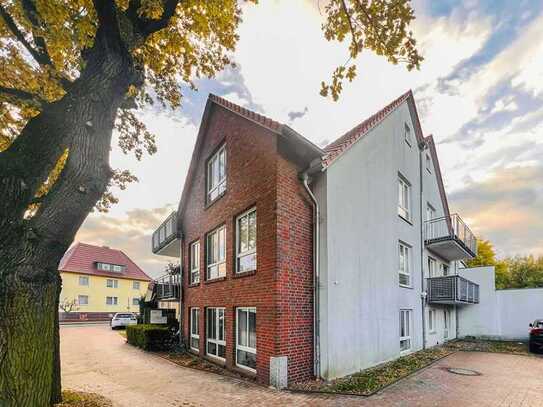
500	314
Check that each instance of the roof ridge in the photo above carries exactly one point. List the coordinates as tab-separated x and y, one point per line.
247	113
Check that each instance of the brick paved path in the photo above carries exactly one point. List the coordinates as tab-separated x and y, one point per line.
98	360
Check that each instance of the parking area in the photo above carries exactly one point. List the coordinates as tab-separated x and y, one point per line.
96	359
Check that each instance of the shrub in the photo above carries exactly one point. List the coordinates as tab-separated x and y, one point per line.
149	337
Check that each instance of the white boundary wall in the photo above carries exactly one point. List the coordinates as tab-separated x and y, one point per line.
500	314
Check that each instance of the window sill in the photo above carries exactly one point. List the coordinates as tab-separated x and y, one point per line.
245	371
245	274
194	285
406	286
195	352
405	219
215	280
211	203
215	359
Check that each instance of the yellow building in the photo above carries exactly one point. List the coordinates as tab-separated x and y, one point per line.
97	282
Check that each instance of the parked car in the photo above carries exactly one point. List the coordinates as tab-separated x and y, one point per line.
123	319
536	336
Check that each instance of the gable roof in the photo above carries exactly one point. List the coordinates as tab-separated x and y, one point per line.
335	149
285	132
344	143
81	258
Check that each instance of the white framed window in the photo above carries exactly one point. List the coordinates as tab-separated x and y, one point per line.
407	134
135	285
430	212
116	268
215	338
84	280
112	300
444	269
431	321
110	283
404	198
404	266
103	266
216	174
83	300
246	338
428	163
194	260
405	330
246	241
432	267
216	253
135	301
195	329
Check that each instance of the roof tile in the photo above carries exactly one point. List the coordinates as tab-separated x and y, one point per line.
82	257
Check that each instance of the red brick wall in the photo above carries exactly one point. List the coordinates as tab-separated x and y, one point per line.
295	272
253	171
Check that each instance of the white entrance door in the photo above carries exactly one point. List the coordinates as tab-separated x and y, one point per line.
446	323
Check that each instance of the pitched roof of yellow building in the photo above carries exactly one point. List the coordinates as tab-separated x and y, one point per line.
83	258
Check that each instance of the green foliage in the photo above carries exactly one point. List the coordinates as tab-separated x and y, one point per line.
524	272
149	337
511	272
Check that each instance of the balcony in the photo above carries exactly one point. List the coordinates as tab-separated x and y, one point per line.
165	238
450	238
452	290
168	287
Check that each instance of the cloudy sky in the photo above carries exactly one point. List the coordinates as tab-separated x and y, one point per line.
479	92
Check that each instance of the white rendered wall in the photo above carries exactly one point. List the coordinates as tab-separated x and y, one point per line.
432	197
360	293
500	314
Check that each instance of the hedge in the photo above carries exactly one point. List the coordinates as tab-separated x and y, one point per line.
149	337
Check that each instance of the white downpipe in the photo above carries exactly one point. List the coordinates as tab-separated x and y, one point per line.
316	320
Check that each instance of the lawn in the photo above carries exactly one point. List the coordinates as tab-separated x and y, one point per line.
374	379
478	345
72	398
371	380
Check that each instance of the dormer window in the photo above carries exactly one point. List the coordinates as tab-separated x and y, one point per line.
216	175
407	134
116	268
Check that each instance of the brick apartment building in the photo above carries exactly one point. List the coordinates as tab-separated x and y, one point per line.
270	293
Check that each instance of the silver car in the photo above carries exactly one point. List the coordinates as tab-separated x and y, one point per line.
123	319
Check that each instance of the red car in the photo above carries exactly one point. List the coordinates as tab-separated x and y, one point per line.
536	336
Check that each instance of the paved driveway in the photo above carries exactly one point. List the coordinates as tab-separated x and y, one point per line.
96	359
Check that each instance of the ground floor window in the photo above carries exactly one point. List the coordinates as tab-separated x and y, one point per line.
195	329
246	338
83	300
215	338
431	321
135	301
405	330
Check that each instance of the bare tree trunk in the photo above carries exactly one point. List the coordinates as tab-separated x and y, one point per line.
28	305
30	249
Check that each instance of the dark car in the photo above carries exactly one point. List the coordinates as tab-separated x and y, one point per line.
536	336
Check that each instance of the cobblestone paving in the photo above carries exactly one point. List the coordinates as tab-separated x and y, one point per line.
96	359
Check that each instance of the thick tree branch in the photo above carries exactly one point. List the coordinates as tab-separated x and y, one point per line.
148	26
22	96
10	23
33	16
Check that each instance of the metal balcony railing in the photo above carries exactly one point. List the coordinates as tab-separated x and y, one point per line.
452	290
168	287
165	233
451	229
